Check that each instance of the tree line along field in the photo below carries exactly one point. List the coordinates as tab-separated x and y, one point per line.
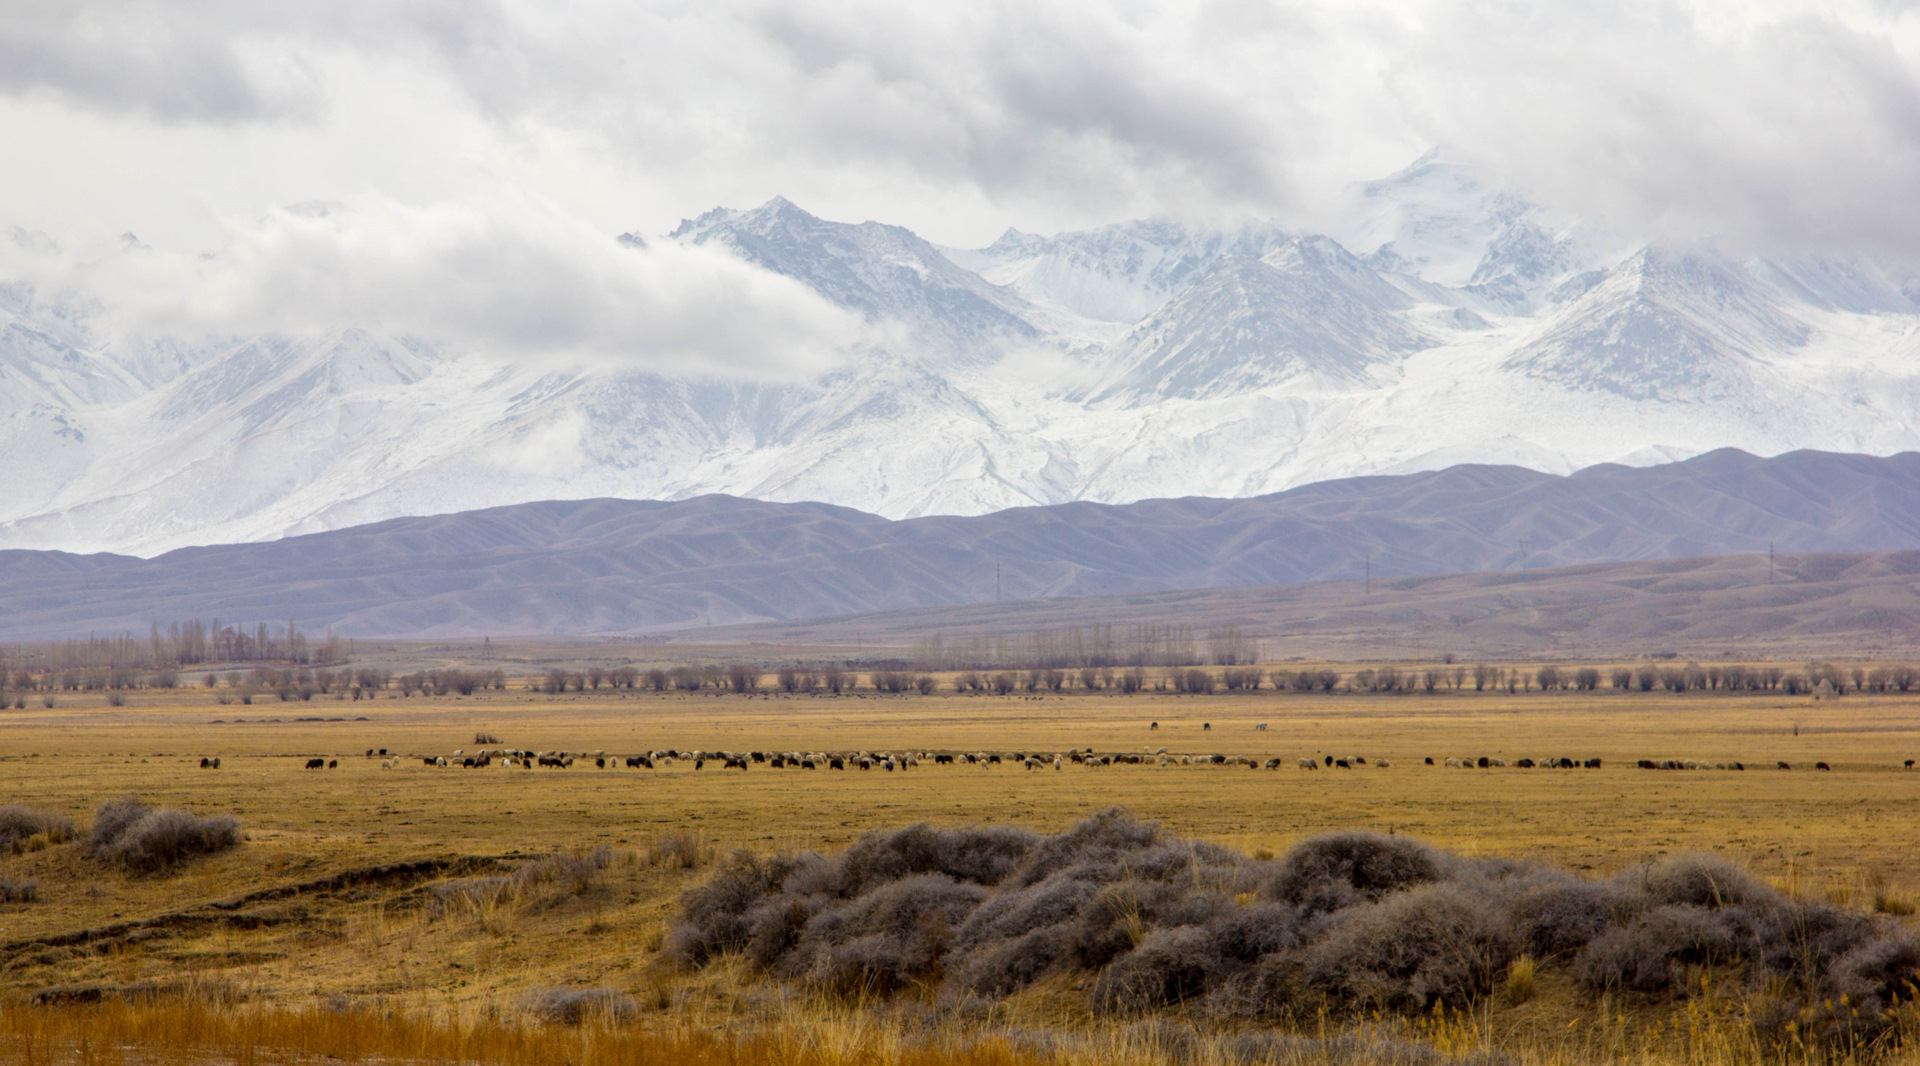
1844	834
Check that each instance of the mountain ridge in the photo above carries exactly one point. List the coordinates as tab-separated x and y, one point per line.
627	566
1442	321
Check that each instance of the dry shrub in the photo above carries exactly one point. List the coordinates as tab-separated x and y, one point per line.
574	1006
1557	918
546	878
713	915
1348	922
1169	966
144	839
1705	881
469	893
569	874
981	856
683	851
1341	869
882	941
1652	953
24	891
1441	943
22	829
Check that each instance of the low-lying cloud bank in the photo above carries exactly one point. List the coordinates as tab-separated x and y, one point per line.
505	277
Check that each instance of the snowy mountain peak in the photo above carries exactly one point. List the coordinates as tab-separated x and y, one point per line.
1447	322
1116	273
884	272
1438	222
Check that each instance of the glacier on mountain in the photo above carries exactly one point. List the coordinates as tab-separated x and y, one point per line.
1442	322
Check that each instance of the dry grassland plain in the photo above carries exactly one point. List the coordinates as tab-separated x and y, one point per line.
263	923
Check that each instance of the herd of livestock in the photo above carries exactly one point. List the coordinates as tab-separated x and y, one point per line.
890	761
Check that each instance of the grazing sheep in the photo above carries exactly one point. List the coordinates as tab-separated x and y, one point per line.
1308	764
387	764
1342	764
1451	763
1429	760
1524	764
1153	727
1381	764
1499	762
315	764
1482	762
1206	727
206	763
1259	727
1785	765
1909	764
1821	766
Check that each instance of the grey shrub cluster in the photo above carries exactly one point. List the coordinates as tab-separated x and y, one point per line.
559	875
145	839
18	825
1347	921
572	1006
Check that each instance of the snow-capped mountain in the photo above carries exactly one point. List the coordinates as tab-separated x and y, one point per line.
1443	321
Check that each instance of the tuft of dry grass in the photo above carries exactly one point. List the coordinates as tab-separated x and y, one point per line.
682	851
1520	984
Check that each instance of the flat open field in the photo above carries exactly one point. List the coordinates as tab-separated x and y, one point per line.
269	920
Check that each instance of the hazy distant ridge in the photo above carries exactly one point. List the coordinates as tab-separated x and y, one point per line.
630	566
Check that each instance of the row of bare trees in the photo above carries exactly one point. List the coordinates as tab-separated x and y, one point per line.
835	679
178	646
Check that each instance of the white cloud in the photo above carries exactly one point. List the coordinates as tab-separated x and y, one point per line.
1781	122
507	277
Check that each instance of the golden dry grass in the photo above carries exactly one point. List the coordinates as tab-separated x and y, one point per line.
382	946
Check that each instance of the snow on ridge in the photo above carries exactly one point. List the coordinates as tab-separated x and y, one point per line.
1444	322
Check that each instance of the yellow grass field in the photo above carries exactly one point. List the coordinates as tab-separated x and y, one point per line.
263	924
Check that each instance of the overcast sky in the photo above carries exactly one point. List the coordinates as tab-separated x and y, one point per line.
195	123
